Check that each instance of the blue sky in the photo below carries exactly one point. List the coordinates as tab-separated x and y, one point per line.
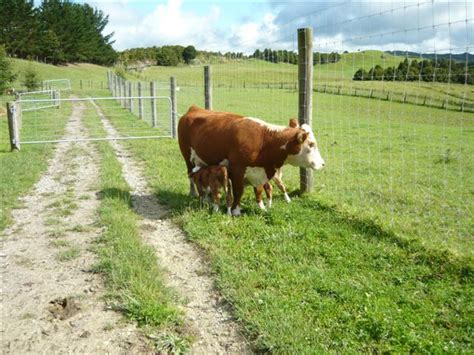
424	25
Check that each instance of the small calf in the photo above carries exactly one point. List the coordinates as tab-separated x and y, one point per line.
267	187
209	181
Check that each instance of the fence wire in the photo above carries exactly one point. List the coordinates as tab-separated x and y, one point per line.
397	140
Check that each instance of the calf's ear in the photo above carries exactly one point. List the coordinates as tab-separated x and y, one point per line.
293	123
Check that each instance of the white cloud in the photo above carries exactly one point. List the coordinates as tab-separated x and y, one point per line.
165	24
338	26
255	34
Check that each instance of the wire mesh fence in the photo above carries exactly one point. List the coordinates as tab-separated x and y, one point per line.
397	139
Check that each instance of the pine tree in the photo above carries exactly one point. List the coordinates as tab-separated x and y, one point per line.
7	76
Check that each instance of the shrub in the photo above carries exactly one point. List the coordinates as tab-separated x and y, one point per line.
31	79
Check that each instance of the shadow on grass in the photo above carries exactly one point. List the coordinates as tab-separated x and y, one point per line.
172	203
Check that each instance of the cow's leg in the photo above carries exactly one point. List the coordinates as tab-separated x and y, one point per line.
192	185
228	196
258	196
281	186
269	192
237	177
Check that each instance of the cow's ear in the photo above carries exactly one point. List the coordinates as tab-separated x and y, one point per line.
293	123
301	137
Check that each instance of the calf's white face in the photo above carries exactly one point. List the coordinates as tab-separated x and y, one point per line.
309	156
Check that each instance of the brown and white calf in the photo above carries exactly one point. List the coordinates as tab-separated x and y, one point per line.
255	149
268	189
209	181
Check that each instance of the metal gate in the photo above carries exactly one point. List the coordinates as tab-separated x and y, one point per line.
38	121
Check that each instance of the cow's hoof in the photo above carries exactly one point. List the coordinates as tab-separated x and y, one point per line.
262	206
287	198
236	212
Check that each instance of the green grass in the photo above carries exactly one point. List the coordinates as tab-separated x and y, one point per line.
132	275
378	258
74	72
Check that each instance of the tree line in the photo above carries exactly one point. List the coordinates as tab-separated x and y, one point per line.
56	31
291	57
173	55
427	70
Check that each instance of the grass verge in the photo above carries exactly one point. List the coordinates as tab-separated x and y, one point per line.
133	278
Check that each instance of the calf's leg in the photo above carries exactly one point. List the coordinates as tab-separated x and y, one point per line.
237	177
281	186
269	192
258	196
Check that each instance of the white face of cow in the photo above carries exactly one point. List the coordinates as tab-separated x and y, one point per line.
309	156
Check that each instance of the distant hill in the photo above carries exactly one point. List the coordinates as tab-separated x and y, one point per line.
461	57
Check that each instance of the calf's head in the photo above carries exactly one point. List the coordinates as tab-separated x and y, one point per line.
303	149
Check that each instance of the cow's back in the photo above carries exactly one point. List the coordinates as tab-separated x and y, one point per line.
214	136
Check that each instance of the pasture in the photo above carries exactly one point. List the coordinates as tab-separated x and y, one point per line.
377	258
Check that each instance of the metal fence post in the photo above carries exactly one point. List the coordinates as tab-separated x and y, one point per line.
305	95
140	101
130	95
173	106
207	87
13	127
153	103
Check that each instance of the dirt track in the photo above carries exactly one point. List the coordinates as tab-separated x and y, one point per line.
51	302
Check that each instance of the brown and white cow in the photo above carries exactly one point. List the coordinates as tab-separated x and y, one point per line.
254	148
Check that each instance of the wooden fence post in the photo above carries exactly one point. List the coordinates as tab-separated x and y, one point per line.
305	95
140	101
124	90
207	87
153	103
13	127
174	105
119	85
130	95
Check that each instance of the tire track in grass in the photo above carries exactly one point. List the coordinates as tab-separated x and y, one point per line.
211	323
50	301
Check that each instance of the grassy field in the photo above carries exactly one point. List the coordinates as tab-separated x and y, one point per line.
247	73
318	276
378	258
